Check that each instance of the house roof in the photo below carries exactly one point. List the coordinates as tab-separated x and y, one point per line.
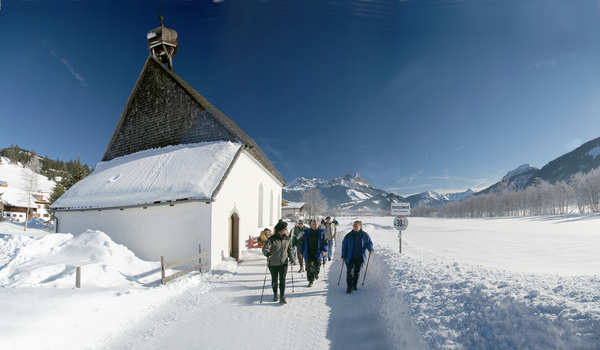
16	197
189	171
293	205
163	109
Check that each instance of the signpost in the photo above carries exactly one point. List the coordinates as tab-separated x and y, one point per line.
400	210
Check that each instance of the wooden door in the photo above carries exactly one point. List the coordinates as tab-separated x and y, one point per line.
234	237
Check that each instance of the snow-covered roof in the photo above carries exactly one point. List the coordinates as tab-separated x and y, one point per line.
191	171
293	205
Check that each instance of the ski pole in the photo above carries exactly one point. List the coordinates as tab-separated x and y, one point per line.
366	269
292	269
264	282
342	269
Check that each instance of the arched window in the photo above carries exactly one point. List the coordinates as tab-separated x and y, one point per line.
271	213
278	206
260	205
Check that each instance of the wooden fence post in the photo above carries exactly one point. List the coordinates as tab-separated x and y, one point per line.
78	277
162	270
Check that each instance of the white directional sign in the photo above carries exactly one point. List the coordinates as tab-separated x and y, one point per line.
402	209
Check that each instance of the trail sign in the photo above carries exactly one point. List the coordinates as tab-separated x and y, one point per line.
400	223
402	209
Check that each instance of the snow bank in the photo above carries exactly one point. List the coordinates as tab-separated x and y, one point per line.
458	303
35	228
174	172
50	261
462	307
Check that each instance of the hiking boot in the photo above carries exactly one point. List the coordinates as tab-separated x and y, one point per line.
310	283
301	269
275	297
283	301
354	287
329	259
348	290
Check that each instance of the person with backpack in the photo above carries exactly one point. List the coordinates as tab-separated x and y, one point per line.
278	250
313	247
297	233
354	247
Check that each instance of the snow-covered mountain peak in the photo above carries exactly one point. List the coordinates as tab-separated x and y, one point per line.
348	180
303	183
522	169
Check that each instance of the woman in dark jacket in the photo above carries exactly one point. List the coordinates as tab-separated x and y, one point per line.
278	251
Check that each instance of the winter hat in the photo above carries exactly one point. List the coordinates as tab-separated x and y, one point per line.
281	225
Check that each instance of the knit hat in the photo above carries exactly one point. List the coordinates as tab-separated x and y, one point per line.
281	225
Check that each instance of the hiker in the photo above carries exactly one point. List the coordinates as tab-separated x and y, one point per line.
330	235
263	237
278	251
354	247
297	233
313	247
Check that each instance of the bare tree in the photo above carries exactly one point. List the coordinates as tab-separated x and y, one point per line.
315	203
34	166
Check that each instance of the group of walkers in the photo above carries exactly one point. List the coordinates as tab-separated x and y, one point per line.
312	247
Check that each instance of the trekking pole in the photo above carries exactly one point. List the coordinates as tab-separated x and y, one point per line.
342	269
264	282
292	269
366	269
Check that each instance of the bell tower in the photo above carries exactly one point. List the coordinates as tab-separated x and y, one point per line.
162	43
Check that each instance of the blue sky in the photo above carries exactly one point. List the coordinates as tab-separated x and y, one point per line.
414	95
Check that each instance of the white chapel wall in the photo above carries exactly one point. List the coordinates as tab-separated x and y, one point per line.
172	231
240	193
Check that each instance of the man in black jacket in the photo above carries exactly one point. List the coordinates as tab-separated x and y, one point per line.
313	247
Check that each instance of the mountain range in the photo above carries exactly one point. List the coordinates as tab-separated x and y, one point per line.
351	193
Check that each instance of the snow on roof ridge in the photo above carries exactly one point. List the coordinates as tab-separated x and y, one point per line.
187	171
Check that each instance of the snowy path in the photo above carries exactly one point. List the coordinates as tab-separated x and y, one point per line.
230	315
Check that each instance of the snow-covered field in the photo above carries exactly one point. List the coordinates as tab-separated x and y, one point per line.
518	283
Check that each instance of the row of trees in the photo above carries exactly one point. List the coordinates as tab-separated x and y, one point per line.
77	172
51	168
581	193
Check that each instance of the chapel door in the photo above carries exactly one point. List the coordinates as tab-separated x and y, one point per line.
234	236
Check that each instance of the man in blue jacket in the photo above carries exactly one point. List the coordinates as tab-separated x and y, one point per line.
313	247
354	247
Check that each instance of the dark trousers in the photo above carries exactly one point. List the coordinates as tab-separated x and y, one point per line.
313	266
278	272
353	271
300	258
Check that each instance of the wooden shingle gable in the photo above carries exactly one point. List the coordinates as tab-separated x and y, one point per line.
164	110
